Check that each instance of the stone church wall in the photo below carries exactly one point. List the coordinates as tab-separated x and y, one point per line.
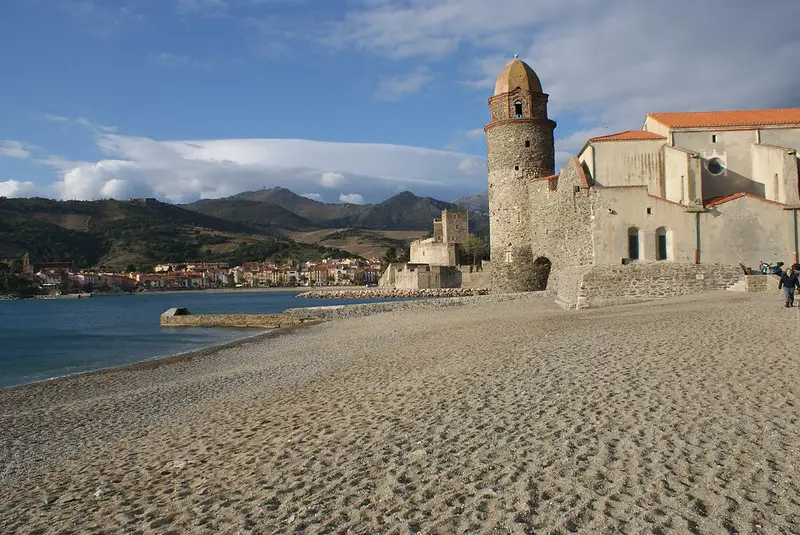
561	228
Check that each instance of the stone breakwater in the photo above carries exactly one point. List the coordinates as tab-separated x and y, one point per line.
394	293
335	312
261	321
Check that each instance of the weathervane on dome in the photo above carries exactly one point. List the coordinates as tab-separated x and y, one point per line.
516	56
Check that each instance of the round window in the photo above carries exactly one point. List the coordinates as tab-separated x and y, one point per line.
715	166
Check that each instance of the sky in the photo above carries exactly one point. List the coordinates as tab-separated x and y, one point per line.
350	100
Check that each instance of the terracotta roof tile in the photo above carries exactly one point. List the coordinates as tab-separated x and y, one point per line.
715	201
629	135
710	119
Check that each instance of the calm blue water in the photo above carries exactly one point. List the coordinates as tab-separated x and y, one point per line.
40	339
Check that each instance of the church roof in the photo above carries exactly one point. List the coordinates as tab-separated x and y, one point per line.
711	119
517	75
722	199
629	135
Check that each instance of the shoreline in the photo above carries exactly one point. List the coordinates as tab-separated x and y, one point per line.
312	316
164	360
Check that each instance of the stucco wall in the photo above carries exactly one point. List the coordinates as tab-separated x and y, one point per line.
629	163
618	209
433	253
613	285
747	230
782	137
776	168
657	128
682	176
733	148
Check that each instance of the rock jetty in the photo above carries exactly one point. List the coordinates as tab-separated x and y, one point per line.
181	317
394	293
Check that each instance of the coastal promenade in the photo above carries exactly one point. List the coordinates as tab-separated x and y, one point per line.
514	416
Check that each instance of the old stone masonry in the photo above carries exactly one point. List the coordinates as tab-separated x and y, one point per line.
677	207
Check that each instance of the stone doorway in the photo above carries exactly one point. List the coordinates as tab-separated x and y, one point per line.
541	272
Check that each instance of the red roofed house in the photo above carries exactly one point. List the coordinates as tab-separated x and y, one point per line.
672	208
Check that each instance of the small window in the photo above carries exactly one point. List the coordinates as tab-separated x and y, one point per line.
518	109
527	143
713	138
516	168
649	211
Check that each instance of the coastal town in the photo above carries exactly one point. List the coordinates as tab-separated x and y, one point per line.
62	278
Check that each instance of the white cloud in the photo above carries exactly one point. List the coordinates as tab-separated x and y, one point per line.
604	64
313	196
471	166
14	188
331	179
351	198
201	6
399	87
184	61
14	149
183	171
56	118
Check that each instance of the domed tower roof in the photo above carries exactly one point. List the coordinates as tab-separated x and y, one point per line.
517	75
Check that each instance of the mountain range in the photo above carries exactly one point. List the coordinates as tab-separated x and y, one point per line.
285	209
270	223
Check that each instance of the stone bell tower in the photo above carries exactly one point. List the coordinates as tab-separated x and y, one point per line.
520	148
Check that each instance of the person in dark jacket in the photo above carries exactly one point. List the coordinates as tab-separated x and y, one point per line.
788	282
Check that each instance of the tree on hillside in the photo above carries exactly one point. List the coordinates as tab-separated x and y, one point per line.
475	248
390	256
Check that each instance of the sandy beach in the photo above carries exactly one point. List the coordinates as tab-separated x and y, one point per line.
678	416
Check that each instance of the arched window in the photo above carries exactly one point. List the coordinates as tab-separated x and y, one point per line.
518	109
661	244
633	243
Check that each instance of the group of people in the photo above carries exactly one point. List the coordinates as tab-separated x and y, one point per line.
789	283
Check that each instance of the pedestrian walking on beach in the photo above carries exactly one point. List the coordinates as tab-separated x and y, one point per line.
788	282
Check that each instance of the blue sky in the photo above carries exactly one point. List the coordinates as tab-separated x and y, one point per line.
349	100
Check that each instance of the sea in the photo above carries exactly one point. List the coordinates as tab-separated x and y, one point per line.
47	338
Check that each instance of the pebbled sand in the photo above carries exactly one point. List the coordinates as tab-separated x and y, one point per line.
678	416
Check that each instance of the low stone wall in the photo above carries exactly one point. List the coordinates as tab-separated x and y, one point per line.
611	285
394	293
353	311
761	283
261	321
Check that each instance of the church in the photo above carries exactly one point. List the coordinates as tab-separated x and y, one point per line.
677	207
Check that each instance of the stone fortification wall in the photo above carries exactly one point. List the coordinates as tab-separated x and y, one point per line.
607	285
397	293
475	279
561	229
262	321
